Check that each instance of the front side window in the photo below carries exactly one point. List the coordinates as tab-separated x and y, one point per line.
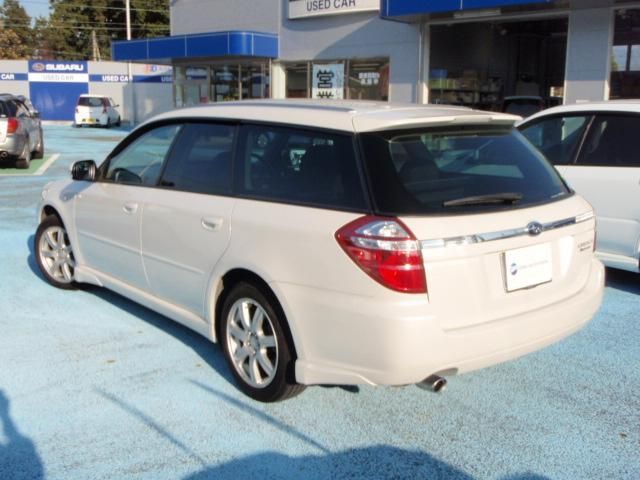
557	137
448	171
299	166
140	162
611	142
201	160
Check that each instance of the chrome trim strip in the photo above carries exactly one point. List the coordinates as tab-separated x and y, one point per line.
503	234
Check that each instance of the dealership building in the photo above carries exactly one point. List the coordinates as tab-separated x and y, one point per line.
467	52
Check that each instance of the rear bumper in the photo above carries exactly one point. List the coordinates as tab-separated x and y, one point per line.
101	120
346	340
11	147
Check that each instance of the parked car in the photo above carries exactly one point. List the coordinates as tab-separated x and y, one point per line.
332	243
96	110
594	146
21	137
523	105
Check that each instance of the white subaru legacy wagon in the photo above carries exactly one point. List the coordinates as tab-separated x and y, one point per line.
333	243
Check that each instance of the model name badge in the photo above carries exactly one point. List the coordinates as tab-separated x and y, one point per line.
588	245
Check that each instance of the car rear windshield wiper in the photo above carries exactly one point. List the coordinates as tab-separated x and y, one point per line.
506	197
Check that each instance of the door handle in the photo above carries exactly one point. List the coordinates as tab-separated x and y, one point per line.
211	223
130	208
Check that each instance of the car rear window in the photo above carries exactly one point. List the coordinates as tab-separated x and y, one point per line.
91	101
8	109
461	170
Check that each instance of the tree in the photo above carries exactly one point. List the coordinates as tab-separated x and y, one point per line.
16	26
69	29
11	46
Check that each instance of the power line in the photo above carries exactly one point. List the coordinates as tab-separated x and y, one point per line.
84	6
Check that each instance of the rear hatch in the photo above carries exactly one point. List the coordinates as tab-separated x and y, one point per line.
90	108
501	234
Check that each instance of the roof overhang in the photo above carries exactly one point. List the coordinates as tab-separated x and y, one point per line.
414	10
167	50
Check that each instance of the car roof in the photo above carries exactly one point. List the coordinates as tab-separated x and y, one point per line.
630	105
350	116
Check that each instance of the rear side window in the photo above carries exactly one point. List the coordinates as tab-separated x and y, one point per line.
557	137
612	142
8	109
444	171
92	101
299	166
200	161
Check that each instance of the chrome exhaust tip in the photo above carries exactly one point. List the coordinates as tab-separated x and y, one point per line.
434	383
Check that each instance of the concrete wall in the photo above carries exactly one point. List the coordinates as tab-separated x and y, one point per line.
202	16
356	35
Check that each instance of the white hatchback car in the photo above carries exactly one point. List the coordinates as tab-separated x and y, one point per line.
594	147
96	110
333	243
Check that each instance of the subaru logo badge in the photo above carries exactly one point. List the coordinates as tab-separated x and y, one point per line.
534	228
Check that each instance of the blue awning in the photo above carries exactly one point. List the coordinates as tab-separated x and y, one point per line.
165	50
409	10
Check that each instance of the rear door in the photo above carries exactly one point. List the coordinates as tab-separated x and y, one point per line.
607	174
186	226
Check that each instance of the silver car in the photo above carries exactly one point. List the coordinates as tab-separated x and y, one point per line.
21	137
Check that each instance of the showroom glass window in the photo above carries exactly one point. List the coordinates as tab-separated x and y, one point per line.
351	79
625	55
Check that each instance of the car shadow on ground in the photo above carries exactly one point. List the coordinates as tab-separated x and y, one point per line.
209	352
623	280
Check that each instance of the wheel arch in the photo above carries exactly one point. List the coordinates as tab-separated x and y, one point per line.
239	275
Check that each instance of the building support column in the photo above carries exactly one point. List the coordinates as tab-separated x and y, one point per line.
588	66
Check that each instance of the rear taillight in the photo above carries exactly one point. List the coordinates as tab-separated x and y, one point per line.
387	251
13	124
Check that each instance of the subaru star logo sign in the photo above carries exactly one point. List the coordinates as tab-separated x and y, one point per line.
38	67
534	228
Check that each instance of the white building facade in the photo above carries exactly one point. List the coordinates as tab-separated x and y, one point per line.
468	52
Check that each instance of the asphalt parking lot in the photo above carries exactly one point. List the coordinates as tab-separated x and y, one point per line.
93	386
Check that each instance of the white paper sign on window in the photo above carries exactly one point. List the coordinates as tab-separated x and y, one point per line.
328	81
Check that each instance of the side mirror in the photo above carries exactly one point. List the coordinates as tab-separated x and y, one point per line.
36	114
84	170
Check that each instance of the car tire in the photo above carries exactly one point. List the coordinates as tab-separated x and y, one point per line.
75	125
118	122
256	345
39	152
54	254
108	125
24	160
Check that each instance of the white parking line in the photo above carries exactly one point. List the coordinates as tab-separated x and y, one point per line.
47	164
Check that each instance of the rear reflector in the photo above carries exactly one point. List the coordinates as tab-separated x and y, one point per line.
387	251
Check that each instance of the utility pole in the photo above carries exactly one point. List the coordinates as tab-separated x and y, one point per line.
96	47
129	67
